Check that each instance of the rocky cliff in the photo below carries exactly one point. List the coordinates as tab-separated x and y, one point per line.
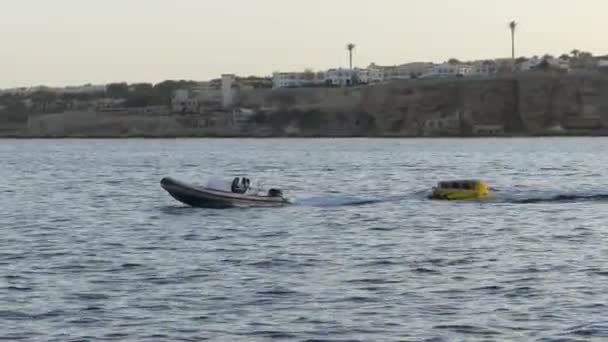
531	104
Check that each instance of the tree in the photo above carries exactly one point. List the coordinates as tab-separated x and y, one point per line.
544	65
117	90
43	99
564	57
350	47
585	59
141	95
521	60
43	96
454	61
575	53
512	27
166	89
308	74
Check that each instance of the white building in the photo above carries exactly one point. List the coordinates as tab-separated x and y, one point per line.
534	63
369	75
207	93
484	68
24	91
227	92
242	115
181	95
339	77
447	70
287	79
84	89
297	79
562	64
602	63
403	71
182	102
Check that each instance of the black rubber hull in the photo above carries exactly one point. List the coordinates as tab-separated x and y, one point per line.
208	198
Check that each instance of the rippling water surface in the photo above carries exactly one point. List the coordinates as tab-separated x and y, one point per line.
92	248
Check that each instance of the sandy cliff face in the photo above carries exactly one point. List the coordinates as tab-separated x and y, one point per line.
521	105
530	104
91	124
573	102
407	108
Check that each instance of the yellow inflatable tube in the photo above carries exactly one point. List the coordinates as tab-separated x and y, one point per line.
460	190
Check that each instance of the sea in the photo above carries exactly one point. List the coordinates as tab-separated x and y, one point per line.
93	249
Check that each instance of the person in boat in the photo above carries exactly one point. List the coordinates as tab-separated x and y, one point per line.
240	186
235	187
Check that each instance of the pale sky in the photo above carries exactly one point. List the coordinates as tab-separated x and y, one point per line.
71	42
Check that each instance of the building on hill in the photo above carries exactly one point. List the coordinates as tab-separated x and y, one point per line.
184	103
402	71
340	77
109	105
253	82
484	68
369	75
536	63
228	85
84	89
504	65
298	79
449	70
208	94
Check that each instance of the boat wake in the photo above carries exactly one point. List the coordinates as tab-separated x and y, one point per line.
560	198
325	201
530	196
503	196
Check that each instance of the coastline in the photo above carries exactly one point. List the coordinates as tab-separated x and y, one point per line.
534	105
291	137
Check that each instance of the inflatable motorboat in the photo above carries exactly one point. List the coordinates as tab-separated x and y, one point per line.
220	194
460	190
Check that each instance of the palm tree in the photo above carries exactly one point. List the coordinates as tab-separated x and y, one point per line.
512	27
350	47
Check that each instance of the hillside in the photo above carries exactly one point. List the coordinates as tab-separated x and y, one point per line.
531	104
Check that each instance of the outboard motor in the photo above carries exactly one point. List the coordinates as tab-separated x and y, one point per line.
275	193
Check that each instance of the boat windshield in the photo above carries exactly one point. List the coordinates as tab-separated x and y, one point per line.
218	184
